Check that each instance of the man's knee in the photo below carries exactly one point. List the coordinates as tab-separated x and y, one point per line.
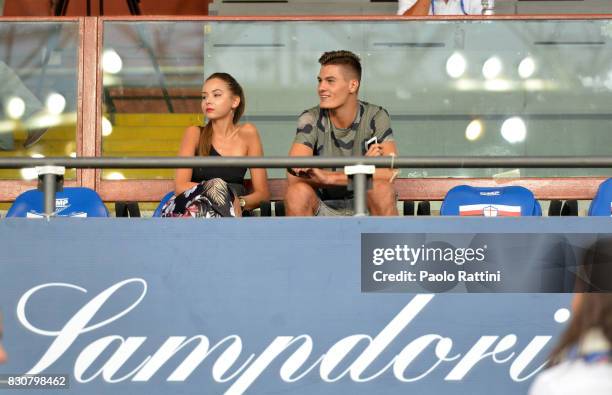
300	199
382	199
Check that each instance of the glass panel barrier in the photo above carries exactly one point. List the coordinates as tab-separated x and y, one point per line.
38	92
152	73
472	87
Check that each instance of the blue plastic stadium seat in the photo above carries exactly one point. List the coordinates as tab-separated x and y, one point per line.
158	210
601	206
513	201
71	202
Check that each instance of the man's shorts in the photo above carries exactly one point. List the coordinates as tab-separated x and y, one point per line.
335	208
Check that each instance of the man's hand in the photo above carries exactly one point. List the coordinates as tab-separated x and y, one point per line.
375	150
317	176
301	172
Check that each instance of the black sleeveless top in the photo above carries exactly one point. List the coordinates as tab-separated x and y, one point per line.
232	175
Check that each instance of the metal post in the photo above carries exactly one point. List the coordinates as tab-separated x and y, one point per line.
358	181
360	188
50	181
49	189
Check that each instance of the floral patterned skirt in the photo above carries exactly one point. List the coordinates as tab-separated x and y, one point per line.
209	199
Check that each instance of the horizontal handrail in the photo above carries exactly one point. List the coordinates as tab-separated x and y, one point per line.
310	161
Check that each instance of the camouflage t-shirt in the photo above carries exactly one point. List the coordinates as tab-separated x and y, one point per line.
315	130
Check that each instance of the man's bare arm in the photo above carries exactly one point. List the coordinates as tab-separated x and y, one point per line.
383	149
313	176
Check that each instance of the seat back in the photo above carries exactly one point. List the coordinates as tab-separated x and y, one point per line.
601	205
71	202
158	210
512	201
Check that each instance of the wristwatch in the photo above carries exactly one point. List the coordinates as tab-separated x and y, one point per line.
242	202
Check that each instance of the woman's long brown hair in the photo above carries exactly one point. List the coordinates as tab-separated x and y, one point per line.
206	130
595	311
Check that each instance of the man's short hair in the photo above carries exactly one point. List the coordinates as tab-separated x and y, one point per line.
342	58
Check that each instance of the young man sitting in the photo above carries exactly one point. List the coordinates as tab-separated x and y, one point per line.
340	125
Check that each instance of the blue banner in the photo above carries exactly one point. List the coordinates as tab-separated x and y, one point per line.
157	306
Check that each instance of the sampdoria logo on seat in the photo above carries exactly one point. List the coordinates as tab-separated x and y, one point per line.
61	204
489	210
